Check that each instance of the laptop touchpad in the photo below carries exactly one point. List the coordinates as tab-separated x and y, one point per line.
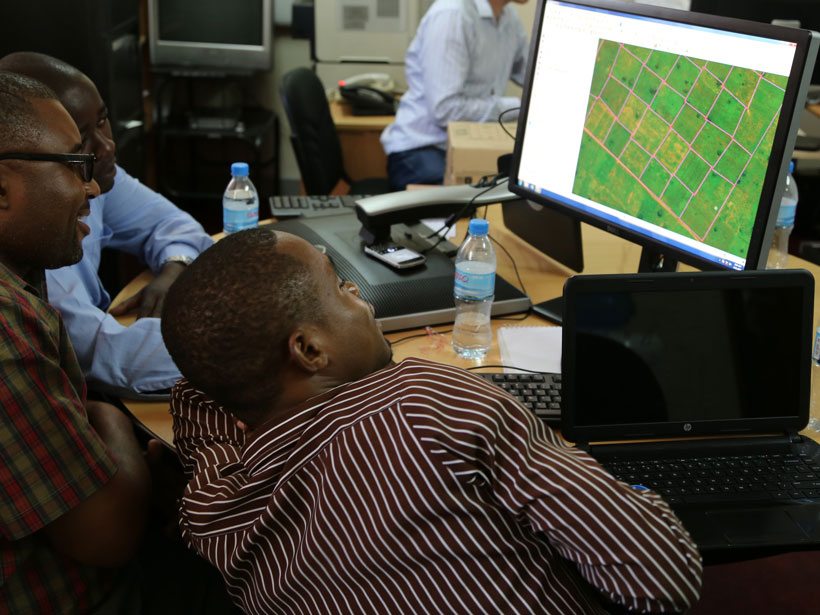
757	526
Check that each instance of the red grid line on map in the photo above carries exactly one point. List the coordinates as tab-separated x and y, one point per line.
673	173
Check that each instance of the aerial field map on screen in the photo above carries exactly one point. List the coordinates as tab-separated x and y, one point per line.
679	141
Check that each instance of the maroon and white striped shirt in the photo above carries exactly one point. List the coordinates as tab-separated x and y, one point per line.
420	489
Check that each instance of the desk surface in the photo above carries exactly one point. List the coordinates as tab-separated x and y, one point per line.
543	279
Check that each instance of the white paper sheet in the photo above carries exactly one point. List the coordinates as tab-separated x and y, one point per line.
533	348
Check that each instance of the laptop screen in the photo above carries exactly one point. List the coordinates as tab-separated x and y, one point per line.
662	355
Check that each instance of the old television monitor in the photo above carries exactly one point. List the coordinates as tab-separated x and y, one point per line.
669	128
222	36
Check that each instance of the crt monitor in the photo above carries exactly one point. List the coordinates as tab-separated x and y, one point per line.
670	128
223	36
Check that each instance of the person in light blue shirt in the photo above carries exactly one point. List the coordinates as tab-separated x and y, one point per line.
457	68
128	216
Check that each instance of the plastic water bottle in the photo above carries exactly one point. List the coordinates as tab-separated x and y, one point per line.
240	203
814	408
779	253
473	290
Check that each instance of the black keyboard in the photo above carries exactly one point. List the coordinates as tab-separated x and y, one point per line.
295	206
541	393
695	480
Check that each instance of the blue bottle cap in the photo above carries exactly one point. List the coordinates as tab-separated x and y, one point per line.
478	226
239	168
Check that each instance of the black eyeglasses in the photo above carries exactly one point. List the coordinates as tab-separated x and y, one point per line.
84	163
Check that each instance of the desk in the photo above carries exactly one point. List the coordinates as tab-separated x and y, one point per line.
359	136
543	279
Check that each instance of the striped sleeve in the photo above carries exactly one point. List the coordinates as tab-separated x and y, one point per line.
629	545
205	435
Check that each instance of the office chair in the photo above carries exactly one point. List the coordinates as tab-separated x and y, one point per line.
314	137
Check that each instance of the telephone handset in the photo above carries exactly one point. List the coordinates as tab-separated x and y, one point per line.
367	100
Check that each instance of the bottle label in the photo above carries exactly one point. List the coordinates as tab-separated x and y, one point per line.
474	280
816	353
234	220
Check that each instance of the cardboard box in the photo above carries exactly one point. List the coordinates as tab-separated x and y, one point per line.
473	149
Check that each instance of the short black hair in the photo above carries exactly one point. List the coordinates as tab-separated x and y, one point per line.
227	318
20	125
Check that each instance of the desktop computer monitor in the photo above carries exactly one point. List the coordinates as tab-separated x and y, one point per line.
669	128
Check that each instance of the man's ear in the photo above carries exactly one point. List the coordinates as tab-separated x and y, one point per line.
307	350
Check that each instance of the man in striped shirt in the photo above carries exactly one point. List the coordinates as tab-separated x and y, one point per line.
340	482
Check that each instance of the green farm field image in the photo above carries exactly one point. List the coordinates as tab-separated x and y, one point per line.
679	141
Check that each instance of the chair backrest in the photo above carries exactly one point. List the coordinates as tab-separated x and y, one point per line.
313	133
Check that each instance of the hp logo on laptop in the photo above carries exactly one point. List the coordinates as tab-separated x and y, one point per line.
687	427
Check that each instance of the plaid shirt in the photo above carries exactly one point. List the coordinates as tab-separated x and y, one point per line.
50	457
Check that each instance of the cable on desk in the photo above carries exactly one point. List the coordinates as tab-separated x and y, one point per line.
514	264
501	123
427	331
523	369
488	183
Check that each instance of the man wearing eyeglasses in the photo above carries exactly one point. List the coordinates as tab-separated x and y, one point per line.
123	361
74	481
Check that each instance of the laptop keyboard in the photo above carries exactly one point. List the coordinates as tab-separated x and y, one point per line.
695	480
286	206
541	393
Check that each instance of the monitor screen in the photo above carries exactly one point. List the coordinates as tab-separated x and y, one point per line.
220	35
647	354
670	128
195	21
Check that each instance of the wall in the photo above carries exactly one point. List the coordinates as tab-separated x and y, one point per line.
290	53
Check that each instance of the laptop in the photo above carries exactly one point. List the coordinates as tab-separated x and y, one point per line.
663	372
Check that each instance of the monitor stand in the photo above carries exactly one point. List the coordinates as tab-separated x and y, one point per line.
651	261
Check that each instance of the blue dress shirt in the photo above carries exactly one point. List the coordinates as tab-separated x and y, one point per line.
457	69
126	361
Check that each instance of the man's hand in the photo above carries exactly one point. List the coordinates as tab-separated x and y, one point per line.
148	301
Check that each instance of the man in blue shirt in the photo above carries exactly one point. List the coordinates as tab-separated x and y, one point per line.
457	68
128	216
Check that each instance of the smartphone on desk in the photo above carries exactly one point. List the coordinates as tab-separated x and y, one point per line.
394	255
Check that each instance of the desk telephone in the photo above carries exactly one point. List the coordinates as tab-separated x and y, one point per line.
367	100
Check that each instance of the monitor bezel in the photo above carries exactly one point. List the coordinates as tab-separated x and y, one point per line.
713	281
782	145
166	54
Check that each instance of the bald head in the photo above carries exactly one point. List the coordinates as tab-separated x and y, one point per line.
56	74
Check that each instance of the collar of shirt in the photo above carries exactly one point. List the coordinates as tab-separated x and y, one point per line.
291	438
35	284
485	11
271	443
